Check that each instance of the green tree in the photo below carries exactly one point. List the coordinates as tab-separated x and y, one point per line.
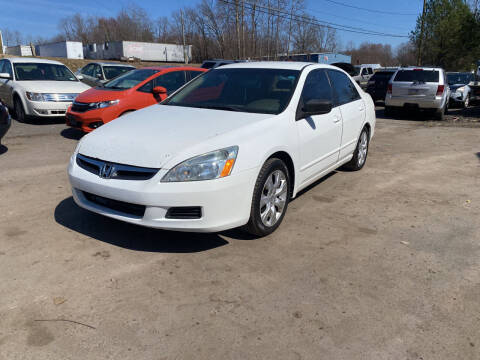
451	36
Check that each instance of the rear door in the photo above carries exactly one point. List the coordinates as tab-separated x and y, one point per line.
417	84
319	135
352	109
6	84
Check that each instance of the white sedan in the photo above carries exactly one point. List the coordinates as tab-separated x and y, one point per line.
229	149
37	87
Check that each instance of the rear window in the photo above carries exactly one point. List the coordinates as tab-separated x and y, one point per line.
382	75
417	75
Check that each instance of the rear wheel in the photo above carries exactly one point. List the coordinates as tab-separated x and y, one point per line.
388	111
361	151
270	198
440	113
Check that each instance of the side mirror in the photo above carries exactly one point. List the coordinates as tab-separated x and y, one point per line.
80	77
316	107
159	90
5	76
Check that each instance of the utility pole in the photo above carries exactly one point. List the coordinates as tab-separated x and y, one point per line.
1	43
289	32
185	57
422	29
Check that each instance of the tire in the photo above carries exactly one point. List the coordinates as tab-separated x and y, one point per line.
360	154
271	193
19	110
388	111
440	114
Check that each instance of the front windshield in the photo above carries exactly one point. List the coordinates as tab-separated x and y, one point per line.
266	91
114	71
130	79
42	71
459	78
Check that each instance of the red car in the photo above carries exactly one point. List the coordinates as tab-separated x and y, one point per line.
129	92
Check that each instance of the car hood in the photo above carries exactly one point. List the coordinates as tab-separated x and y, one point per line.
54	87
99	94
159	134
454	87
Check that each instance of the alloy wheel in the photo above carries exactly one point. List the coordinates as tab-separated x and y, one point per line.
362	149
273	198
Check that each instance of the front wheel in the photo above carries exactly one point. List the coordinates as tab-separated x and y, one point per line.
360	154
466	103
270	198
19	111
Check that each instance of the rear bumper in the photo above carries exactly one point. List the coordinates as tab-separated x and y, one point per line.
402	101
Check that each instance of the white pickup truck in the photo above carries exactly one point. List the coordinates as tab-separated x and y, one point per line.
363	73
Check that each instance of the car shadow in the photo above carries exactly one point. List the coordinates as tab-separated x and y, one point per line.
129	236
478	155
72	134
319	181
39	121
3	149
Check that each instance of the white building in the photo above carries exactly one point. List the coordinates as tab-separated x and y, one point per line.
64	49
117	50
18	50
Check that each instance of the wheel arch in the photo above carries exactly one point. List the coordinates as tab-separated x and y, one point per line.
287	159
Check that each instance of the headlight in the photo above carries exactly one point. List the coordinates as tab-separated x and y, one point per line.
34	96
213	165
103	104
461	89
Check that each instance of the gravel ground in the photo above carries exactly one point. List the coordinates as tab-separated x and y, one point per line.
377	264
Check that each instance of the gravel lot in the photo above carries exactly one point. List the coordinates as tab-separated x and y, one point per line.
378	264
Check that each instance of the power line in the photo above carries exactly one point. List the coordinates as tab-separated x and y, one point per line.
314	21
370	10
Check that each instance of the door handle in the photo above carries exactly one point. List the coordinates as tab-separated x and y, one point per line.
361	108
336	119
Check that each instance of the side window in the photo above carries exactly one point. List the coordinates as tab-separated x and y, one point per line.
171	80
97	72
370	71
364	71
7	67
316	87
343	89
2	63
88	70
193	74
146	88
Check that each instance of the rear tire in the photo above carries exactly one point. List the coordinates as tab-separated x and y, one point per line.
388	111
270	198
440	114
360	154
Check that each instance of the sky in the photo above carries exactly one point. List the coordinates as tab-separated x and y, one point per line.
41	17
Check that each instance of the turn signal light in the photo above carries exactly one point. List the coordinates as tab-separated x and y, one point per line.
389	89
227	168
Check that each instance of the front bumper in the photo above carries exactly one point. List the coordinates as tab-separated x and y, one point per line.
225	203
401	101
89	120
46	108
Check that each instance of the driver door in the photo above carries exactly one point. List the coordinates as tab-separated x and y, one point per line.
319	135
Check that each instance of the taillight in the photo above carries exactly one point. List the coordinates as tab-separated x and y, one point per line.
440	89
389	89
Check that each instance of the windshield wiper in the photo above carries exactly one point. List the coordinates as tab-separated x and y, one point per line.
214	107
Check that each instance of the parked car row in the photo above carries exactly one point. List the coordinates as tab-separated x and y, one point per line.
425	88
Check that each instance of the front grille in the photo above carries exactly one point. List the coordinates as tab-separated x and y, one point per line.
80	107
184	212
120	206
108	170
59	97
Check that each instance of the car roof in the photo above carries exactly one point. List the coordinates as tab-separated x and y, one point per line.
286	65
110	64
420	67
160	68
33	60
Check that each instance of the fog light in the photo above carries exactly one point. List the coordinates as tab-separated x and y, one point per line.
95	124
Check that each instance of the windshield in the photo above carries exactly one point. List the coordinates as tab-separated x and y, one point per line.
357	70
130	79
42	71
459	78
266	91
417	75
113	71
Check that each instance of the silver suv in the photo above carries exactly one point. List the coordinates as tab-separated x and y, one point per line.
418	88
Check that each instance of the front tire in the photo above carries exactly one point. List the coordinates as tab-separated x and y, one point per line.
270	198
361	151
19	111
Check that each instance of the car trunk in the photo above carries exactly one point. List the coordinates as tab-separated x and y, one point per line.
418	84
